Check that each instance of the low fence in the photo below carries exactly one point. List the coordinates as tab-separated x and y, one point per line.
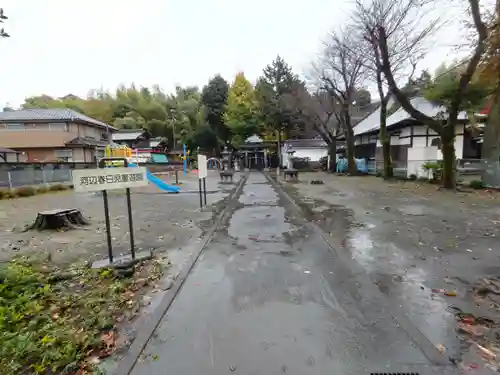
14	175
466	169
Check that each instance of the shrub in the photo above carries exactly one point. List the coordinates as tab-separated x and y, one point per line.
4	194
58	187
42	190
477	184
413	177
25	191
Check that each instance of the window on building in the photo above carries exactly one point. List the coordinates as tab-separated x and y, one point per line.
59	127
36	127
15	127
65	154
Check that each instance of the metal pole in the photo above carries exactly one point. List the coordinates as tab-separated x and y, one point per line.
205	189
130	224
108	225
185	159
201	198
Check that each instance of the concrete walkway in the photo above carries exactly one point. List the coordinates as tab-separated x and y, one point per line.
269	296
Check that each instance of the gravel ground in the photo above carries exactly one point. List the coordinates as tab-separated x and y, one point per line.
418	244
164	223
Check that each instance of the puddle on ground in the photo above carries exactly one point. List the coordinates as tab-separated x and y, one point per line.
258	194
414	210
259	224
397	276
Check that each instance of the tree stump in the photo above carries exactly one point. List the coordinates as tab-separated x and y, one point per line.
59	219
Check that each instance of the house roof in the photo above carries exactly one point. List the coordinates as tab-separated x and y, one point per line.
47	115
306	143
127	134
372	122
86	141
7	151
254	139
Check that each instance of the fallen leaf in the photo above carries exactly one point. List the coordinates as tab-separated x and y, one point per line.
441	348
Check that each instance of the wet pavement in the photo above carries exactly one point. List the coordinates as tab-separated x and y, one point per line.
417	244
269	296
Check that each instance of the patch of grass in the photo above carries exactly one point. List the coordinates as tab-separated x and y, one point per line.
58	187
60	322
477	184
25	191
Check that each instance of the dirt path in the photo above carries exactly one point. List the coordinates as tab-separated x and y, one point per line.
416	243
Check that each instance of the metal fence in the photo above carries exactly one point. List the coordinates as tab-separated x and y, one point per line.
13	176
467	170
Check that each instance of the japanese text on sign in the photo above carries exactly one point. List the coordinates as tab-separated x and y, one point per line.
109	178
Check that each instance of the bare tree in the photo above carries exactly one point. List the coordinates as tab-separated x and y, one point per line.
319	111
402	14
339	72
405	45
3	17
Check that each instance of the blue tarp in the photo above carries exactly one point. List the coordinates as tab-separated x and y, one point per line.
361	165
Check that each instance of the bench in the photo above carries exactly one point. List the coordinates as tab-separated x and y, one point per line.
291	175
226	176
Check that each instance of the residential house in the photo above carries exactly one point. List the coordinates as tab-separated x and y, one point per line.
133	138
314	149
412	143
49	135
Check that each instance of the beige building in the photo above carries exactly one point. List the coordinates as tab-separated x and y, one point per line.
49	135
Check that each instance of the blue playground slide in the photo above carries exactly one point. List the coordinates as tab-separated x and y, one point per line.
158	182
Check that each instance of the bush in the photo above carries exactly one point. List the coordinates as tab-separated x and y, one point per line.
477	184
25	191
58	187
42	190
413	177
4	194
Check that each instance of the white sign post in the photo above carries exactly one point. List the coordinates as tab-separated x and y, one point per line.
202	176
104	179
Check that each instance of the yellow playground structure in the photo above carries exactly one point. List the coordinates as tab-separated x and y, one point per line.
117	152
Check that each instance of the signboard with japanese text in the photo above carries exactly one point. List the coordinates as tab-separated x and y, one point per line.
87	180
202	166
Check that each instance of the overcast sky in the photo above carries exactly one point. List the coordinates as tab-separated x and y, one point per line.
59	47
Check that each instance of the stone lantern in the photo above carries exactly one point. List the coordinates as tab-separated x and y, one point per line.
226	159
290	153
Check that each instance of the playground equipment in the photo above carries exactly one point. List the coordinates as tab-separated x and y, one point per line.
212	163
158	182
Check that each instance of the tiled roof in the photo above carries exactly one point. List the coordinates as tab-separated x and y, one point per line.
56	114
86	141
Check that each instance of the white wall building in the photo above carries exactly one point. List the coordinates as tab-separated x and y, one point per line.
412	144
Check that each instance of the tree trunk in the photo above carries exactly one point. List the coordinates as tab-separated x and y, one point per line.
491	143
385	140
351	164
332	153
448	150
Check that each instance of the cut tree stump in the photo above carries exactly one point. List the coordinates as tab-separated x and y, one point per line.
58	219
